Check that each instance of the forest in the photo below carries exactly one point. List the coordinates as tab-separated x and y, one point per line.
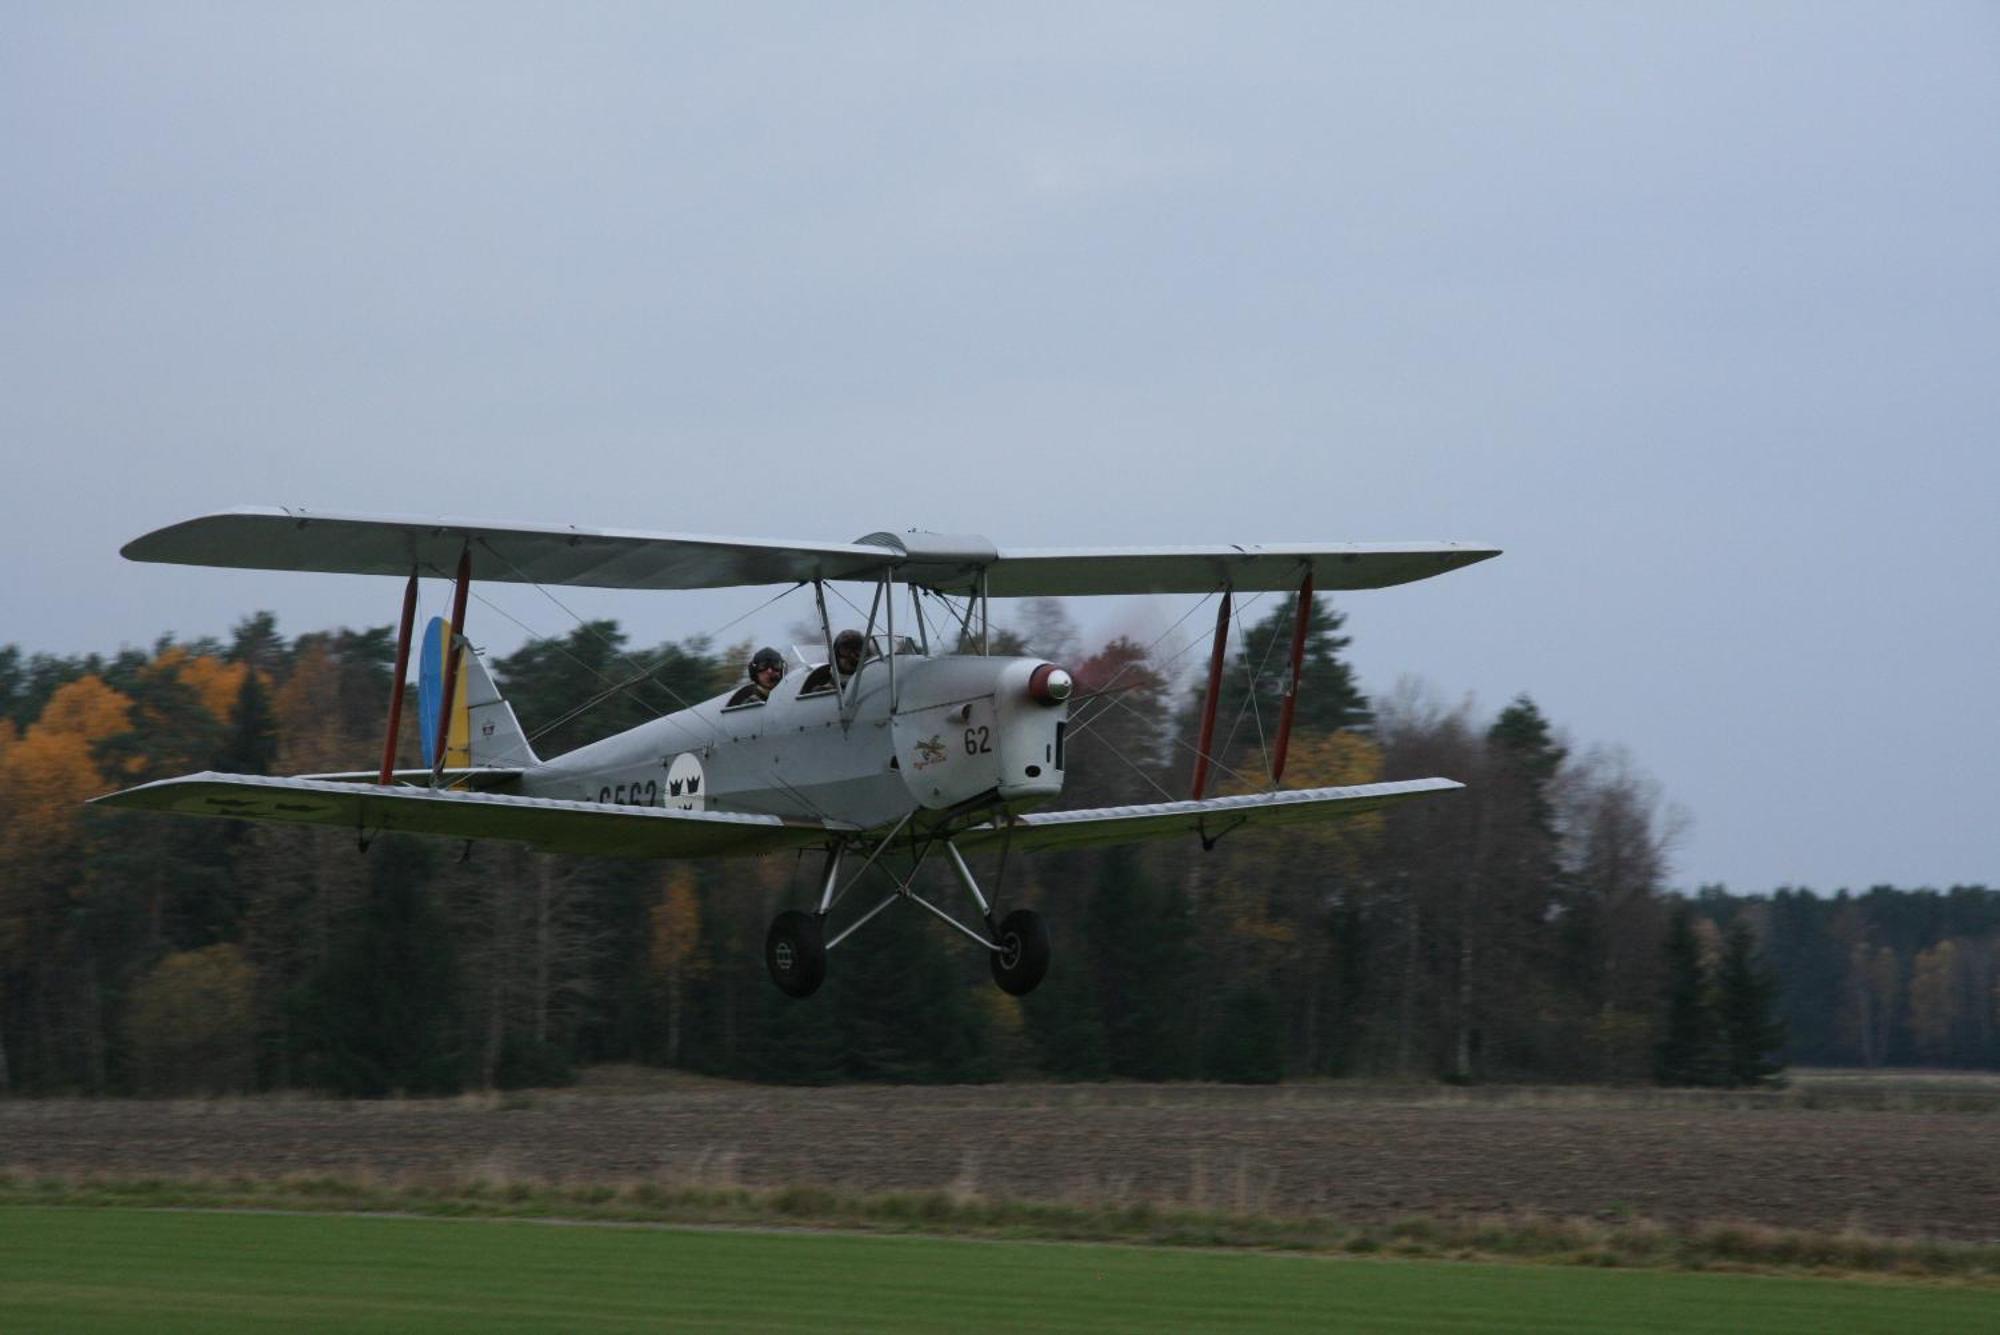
1520	930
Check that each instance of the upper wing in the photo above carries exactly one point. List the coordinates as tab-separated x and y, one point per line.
568	827
1061	572
1209	817
355	544
359	544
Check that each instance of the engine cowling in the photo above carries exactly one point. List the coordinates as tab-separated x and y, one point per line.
966	726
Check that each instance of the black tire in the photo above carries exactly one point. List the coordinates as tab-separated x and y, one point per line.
795	953
1023	957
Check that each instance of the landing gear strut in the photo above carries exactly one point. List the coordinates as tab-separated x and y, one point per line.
796	947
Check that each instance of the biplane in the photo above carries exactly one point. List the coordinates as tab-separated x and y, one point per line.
894	749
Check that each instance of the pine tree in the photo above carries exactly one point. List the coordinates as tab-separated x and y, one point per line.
1141	954
1330	697
1247	1044
252	744
1683	1053
1746	1010
1525	745
904	1004
586	685
1062	1021
381	1016
256	643
1514	888
798	1042
1251	697
12	679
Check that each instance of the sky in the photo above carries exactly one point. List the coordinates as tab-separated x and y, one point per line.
1694	309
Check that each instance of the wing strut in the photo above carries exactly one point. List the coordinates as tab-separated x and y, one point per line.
402	670
1214	697
451	661
1292	687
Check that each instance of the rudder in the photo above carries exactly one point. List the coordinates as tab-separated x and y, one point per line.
484	733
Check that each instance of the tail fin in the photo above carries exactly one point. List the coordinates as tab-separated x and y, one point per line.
484	732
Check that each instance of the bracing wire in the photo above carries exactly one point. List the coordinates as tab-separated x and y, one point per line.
550	640
1079	727
1167	664
1131	764
644	672
1254	676
1192	749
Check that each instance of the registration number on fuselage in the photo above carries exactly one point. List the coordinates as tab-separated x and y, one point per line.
634	794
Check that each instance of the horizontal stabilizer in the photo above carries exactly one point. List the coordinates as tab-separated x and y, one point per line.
547	823
1208	818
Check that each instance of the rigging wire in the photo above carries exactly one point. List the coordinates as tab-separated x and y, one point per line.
1131	764
555	644
645	672
1188	746
1077	727
1254	676
1166	664
931	626
852	606
550	640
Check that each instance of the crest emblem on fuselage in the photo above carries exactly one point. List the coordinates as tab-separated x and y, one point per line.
930	751
686	787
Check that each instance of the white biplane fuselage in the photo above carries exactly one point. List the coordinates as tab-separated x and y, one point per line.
950	732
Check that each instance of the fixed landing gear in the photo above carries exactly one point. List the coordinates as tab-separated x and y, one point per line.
796	946
795	952
1023	956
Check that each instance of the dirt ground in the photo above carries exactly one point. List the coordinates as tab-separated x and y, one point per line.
1355	1152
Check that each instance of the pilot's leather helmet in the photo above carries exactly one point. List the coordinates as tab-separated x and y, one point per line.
766	658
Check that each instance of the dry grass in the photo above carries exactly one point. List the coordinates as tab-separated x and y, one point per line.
1833	1155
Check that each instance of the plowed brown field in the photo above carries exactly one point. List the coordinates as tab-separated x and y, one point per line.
1360	1153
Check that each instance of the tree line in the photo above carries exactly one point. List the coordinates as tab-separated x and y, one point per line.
1519	930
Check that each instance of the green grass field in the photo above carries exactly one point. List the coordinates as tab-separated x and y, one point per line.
114	1269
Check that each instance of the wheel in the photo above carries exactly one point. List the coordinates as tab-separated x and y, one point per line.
795	953
1023	956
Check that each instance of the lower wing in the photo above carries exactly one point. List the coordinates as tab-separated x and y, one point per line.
1209	818
559	826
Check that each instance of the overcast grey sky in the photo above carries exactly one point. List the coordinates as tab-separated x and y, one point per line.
1694	309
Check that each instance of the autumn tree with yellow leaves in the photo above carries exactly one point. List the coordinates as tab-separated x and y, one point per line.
48	896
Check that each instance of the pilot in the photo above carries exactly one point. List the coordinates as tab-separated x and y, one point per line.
767	669
847	648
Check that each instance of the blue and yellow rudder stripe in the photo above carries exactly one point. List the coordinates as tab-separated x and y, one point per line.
430	698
